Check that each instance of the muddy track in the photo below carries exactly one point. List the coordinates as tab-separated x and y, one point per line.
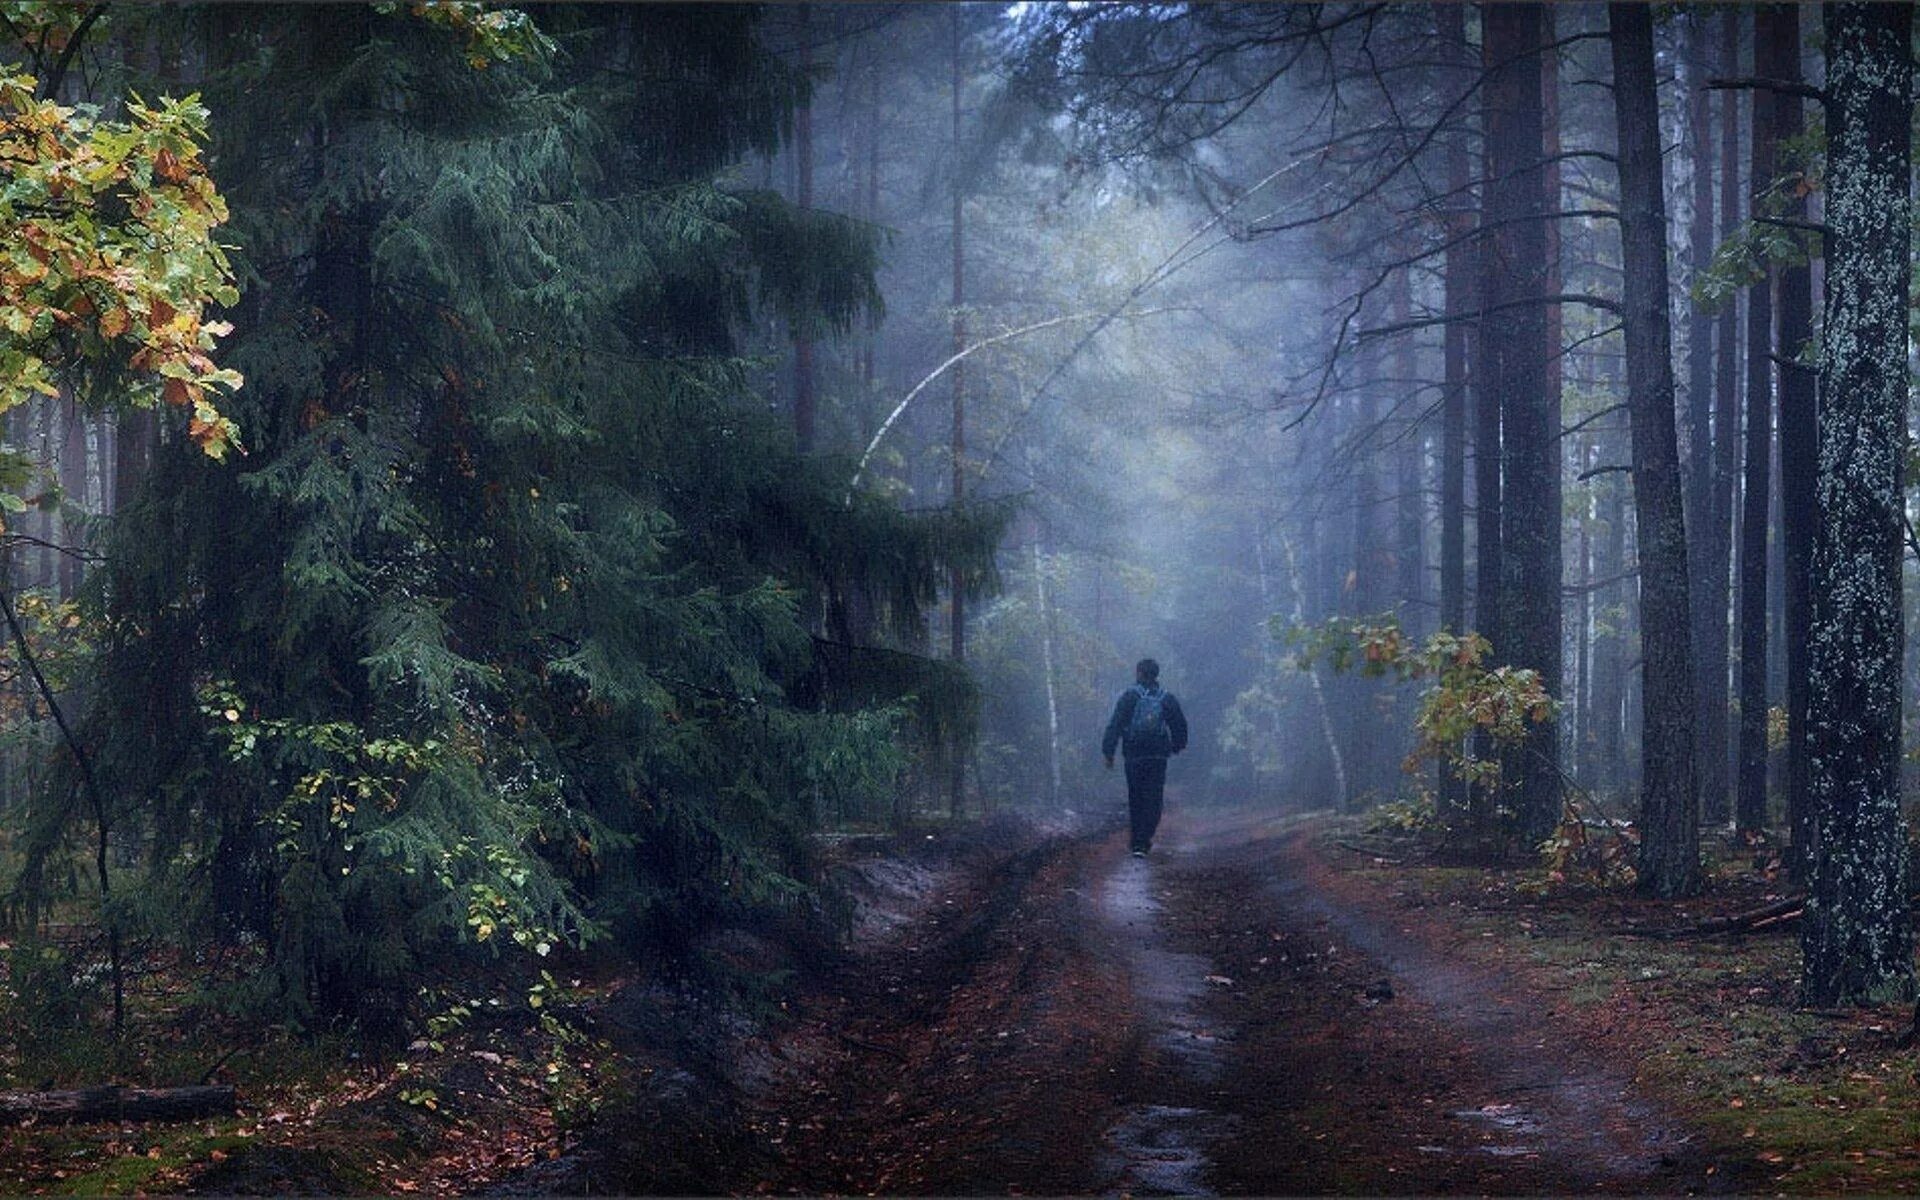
1232	1016
968	1055
1373	1060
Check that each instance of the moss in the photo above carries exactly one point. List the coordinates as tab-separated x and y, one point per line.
128	1173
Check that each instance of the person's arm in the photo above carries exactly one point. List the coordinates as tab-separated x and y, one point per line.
1176	723
1121	711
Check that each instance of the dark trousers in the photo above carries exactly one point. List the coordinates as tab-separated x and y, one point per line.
1146	791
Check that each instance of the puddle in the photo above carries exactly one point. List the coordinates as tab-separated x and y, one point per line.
1161	1149
1507	1118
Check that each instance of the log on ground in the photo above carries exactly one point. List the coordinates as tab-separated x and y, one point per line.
117	1104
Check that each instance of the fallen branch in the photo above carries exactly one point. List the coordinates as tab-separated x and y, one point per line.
1769	914
117	1104
875	1047
1374	854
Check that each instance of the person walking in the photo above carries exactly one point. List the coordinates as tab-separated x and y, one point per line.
1149	728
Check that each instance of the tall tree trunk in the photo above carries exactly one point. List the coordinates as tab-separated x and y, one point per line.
73	486
803	372
1045	614
1610	655
1717	537
1750	807
1669	816
1460	279
1555	339
1857	939
1530	576
1488	354
1798	454
957	782
1321	707
1410	508
1708	605
1583	641
870	211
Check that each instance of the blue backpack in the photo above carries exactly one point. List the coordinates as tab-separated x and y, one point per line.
1149	720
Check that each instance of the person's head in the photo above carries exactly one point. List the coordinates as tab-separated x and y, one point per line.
1147	671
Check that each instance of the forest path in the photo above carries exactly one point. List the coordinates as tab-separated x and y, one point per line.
1373	1058
1230	1016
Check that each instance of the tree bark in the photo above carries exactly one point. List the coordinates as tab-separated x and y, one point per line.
1321	707
1487	353
1857	940
1750	804
870	210
1459	281
1669	862
957	778
1799	452
1610	653
1717	537
804	417
1530	573
1045	614
1708	605
73	486
1457	276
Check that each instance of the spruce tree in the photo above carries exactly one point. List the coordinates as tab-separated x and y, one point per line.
502	626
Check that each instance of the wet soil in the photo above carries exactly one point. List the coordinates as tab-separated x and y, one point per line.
1374	1060
1231	1016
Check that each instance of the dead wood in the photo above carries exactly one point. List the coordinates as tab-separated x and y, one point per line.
1777	913
117	1104
1359	849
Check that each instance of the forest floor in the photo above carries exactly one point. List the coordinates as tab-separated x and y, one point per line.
1265	1006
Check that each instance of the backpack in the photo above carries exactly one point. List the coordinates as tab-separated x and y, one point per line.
1149	720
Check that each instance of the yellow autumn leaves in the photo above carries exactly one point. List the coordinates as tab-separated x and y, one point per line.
108	261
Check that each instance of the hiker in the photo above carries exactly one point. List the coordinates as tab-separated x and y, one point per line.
1149	728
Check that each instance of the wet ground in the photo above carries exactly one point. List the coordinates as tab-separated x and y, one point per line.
1227	1017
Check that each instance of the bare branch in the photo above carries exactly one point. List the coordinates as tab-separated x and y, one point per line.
1783	87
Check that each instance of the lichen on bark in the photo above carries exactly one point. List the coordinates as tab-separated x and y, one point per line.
1857	940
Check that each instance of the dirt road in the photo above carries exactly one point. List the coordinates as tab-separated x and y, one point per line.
1227	1017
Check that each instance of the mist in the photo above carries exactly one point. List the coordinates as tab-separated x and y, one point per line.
979	598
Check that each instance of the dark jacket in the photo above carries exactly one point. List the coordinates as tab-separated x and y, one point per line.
1139	747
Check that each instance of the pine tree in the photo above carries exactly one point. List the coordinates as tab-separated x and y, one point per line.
1857	944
